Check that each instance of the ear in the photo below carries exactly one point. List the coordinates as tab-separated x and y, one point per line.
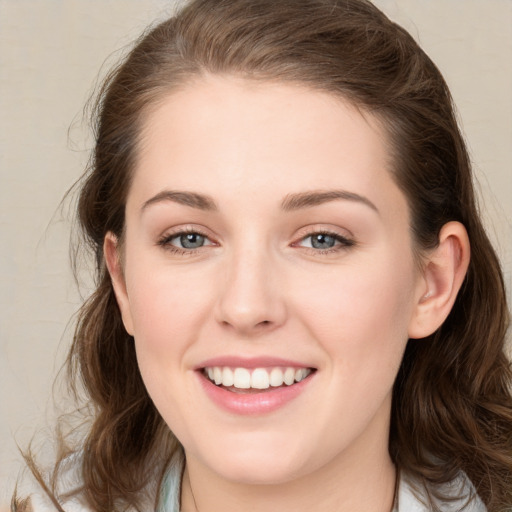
443	274
111	252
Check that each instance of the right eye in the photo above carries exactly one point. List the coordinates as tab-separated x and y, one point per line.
188	240
184	241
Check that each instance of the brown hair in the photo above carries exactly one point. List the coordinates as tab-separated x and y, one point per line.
452	406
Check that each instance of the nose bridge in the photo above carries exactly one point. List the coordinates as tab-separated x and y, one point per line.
250	299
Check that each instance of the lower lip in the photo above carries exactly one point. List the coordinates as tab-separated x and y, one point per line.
253	403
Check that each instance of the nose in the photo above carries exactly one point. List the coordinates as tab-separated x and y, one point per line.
251	299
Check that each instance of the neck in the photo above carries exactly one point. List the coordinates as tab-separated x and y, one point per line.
364	482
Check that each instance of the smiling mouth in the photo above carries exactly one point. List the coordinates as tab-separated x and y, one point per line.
244	380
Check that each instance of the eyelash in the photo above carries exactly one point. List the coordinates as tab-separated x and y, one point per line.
165	241
343	243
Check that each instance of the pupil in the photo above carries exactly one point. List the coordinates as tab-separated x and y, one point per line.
192	240
321	241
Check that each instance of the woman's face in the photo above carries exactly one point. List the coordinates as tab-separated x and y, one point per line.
266	243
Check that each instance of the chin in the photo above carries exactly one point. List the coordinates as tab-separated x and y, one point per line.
259	464
261	472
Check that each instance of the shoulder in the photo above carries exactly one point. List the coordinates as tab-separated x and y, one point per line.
38	501
33	494
412	496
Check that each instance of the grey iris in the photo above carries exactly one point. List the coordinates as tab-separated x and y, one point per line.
322	241
192	240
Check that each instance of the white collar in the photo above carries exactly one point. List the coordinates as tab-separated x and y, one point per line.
411	496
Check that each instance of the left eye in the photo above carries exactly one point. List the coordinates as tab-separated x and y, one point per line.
324	241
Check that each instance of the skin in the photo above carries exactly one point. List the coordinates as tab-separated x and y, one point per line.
258	288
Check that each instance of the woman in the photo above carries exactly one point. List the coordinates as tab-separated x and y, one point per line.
296	299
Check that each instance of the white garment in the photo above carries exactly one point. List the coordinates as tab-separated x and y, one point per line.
409	502
170	498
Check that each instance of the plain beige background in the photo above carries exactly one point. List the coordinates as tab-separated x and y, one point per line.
50	55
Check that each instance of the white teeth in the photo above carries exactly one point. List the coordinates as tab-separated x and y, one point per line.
276	377
242	378
289	376
217	375
259	378
228	379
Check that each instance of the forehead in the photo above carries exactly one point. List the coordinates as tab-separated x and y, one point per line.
233	102
242	135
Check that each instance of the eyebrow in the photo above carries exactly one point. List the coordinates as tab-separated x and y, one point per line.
314	198
290	203
192	199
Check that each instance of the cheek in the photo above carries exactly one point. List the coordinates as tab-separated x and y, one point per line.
169	311
361	314
167	306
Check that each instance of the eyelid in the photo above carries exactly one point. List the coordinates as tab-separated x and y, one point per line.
325	229
164	239
345	241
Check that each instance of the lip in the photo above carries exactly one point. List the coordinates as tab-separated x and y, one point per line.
258	403
251	363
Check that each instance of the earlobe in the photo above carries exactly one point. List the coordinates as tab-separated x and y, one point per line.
111	252
443	275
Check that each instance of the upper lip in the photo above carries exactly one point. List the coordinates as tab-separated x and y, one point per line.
251	362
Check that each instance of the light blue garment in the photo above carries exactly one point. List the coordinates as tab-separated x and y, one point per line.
171	485
407	500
